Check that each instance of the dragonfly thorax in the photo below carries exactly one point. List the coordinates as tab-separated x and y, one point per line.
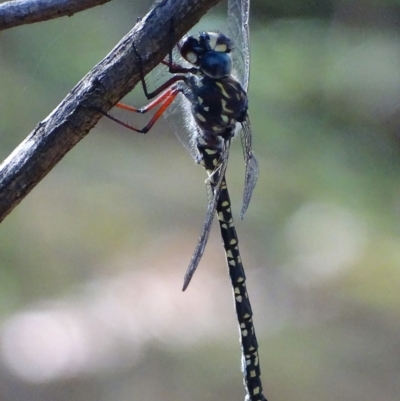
210	52
217	105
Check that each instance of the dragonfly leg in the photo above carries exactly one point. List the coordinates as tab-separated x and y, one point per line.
173	69
165	85
165	100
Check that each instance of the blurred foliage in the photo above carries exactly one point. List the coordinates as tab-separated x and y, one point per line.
320	241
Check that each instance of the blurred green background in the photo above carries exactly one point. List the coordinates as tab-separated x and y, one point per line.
91	262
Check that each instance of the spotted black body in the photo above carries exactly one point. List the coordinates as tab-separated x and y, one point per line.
218	103
248	339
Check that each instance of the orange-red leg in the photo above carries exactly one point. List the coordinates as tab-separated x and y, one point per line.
165	100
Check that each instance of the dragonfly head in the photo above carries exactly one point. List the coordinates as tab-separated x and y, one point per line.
210	52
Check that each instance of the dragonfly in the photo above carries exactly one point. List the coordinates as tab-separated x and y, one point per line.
214	82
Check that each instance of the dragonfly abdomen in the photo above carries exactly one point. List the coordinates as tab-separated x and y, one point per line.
251	366
248	339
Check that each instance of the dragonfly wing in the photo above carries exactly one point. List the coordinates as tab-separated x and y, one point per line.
251	173
214	191
178	115
238	30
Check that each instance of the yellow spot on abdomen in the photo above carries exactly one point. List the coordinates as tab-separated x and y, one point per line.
200	117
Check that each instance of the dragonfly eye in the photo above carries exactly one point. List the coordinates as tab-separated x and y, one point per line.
191	50
216	65
217	41
195	48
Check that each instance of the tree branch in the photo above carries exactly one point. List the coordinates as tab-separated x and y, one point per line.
101	88
20	12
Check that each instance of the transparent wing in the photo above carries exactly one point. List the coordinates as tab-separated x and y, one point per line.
178	115
238	30
251	173
214	190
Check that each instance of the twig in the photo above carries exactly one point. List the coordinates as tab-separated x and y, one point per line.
21	12
101	88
